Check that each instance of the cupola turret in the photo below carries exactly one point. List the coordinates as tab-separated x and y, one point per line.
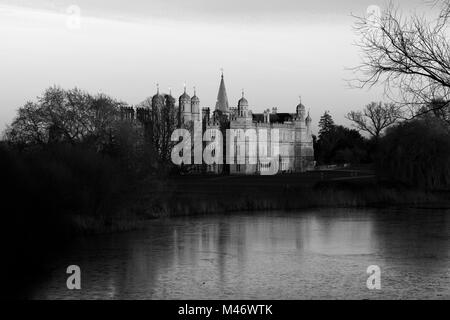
242	106
195	106
301	110
185	107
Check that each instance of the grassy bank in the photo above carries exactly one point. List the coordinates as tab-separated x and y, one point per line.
193	195
323	195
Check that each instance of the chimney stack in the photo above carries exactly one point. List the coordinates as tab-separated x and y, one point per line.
206	114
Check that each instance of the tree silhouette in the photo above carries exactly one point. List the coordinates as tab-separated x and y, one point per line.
326	124
375	117
72	116
163	121
409	54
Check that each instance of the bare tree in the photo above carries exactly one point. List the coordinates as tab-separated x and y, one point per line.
375	117
164	120
66	115
409	54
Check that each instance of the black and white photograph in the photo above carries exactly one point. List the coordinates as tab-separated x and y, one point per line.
242	151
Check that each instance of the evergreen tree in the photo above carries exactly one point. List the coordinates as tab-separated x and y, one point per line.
326	124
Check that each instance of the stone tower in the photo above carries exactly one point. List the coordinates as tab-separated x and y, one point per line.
299	137
243	107
308	122
157	105
195	107
308	146
185	111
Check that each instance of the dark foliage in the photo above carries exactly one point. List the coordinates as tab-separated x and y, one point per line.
45	189
417	153
59	115
326	124
339	145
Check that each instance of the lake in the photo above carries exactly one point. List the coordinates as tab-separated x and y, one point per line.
316	254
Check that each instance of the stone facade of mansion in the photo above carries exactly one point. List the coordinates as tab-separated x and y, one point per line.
296	151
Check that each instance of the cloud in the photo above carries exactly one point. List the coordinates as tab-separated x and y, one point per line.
222	11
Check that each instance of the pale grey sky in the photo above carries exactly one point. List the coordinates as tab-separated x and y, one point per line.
275	50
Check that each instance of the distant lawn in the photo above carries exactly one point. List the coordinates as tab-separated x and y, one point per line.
212	194
220	185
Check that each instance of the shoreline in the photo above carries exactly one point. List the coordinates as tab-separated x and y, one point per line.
139	223
141	207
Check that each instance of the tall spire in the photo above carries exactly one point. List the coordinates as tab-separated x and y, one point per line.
222	99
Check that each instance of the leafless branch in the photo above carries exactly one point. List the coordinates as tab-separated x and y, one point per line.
409	55
375	117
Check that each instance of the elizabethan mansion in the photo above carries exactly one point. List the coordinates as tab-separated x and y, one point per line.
295	142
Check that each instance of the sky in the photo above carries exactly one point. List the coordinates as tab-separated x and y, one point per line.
275	50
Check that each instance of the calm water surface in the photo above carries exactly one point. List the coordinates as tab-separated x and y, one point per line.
320	254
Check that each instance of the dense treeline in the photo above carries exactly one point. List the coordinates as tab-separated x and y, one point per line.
414	153
337	144
80	155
